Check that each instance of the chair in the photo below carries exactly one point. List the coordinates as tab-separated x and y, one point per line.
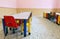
10	22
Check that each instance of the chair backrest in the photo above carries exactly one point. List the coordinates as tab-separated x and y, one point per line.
10	21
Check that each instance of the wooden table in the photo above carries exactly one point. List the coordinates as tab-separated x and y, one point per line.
22	16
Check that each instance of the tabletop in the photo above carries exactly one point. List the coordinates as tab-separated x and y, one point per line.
22	15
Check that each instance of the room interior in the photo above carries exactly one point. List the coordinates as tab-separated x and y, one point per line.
41	28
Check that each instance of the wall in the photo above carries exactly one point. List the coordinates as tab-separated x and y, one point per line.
7	7
37	6
35	11
6	11
8	3
35	3
30	3
57	5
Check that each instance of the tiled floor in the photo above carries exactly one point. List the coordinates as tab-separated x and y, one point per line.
41	28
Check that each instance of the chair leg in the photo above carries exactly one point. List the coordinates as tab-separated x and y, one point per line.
13	30
10	28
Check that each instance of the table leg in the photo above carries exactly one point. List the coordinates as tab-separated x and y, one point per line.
29	25
25	21
22	27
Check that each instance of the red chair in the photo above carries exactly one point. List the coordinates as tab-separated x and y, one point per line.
10	22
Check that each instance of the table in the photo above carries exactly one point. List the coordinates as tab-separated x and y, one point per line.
22	16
